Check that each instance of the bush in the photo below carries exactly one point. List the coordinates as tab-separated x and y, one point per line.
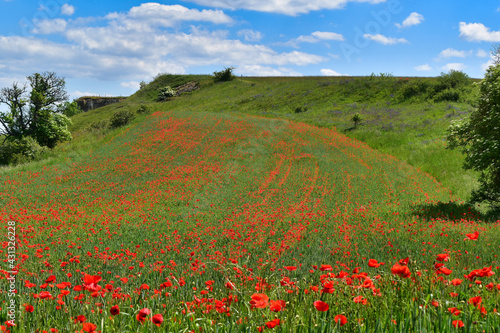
69	109
121	118
356	119
449	95
99	126
21	151
143	109
224	75
416	88
300	109
479	138
165	93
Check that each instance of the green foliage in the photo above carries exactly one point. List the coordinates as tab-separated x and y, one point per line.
224	75
165	93
21	150
121	118
479	138
300	109
35	114
99	126
143	109
69	109
356	119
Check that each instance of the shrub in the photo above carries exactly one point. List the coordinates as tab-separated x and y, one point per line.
99	126
143	109
356	119
121	118
449	95
479	139
69	109
416	88
165	93
300	109
224	75
21	151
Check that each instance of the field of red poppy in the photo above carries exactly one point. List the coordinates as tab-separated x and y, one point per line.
200	222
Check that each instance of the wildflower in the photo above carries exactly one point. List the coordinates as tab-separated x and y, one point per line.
340	319
259	301
321	306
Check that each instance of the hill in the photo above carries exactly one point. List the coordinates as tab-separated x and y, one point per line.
199	217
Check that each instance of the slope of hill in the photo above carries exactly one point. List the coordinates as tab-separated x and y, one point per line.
199	217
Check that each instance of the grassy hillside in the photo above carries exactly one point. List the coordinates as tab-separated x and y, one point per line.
191	220
413	130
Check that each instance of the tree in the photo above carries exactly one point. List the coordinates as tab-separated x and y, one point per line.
479	138
35	114
224	75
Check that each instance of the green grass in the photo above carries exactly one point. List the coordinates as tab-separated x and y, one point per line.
413	131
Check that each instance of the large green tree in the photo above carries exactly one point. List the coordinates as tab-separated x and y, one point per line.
35	113
478	136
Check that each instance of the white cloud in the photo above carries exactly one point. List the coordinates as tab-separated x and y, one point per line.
385	40
450	53
423	68
482	53
478	32
257	70
454	66
287	7
250	35
47	27
315	37
67	9
134	85
138	45
487	65
326	35
331	72
78	94
414	19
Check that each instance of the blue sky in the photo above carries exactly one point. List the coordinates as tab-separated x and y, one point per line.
107	47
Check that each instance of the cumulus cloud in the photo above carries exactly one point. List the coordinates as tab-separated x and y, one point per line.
478	32
331	72
67	9
287	7
140	44
414	19
258	70
385	40
456	66
423	68
250	35
47	27
315	37
450	53
134	85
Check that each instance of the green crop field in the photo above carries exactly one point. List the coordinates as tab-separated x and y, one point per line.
254	205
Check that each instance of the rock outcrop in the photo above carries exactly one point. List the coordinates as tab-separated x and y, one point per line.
87	103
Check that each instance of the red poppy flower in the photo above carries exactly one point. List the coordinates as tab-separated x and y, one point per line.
291	268
443	257
360	299
157	319
273	323
475	300
259	301
326	268
458	323
402	271
340	319
29	308
89	327
51	278
81	319
456	282
473	236
404	261
373	263
321	306
115	310
276	306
